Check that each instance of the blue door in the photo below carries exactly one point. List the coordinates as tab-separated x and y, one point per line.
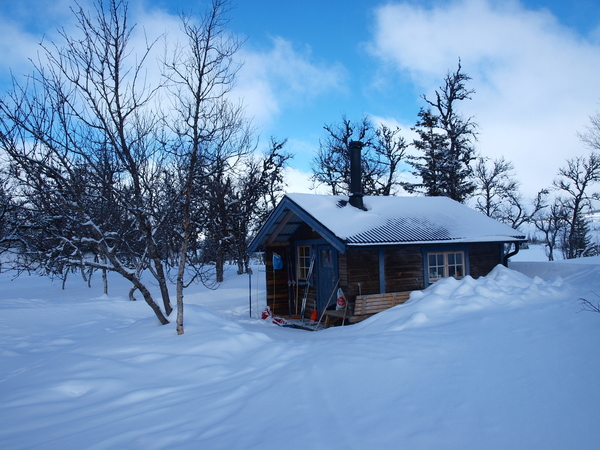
327	276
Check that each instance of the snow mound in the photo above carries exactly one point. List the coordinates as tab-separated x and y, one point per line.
449	299
496	362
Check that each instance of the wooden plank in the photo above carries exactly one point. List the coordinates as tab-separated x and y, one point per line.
280	227
368	305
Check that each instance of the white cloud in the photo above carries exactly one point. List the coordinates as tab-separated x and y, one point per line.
16	46
536	81
270	80
297	180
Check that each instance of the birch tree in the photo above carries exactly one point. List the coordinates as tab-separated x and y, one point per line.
79	134
209	128
574	184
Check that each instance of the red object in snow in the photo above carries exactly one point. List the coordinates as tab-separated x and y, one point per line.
266	313
341	300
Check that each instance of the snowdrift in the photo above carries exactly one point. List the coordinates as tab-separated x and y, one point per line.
504	361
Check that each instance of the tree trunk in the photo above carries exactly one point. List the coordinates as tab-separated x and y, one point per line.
219	267
105	281
164	290
180	274
147	297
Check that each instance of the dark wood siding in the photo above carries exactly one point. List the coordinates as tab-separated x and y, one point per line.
343	271
403	268
359	265
359	271
484	257
277	282
306	233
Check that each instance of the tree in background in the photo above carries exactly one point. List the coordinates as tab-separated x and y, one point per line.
121	175
83	125
208	129
552	223
498	196
445	138
591	136
383	151
494	184
573	186
256	191
9	214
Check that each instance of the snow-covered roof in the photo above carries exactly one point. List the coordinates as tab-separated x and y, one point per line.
386	221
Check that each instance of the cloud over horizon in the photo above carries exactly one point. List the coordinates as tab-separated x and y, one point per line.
535	80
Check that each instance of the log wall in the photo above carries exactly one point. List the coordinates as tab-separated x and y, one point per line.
403	268
278	290
403	272
484	257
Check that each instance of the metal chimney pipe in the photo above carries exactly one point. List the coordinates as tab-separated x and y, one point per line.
356	193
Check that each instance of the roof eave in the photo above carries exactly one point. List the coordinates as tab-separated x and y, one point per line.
507	240
287	204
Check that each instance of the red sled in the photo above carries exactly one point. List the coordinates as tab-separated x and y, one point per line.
268	315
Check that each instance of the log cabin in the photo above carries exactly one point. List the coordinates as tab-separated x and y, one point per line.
372	247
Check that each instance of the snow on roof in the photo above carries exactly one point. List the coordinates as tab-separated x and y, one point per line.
394	220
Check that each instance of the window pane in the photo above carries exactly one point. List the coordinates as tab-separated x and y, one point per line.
303	261
445	264
455	264
326	258
437	267
432	260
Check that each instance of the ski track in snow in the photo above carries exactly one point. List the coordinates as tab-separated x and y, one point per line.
504	361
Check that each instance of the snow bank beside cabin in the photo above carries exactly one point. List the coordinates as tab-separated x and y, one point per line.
450	299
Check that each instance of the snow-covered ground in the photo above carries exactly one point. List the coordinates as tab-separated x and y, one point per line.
505	361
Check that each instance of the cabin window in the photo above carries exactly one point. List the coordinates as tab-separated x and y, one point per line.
303	261
445	264
327	258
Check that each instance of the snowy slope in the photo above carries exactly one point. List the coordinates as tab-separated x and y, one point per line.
505	361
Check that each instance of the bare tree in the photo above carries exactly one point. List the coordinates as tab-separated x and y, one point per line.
383	150
591	136
218	197
254	194
9	214
494	185
552	222
574	183
391	150
201	73
498	194
80	132
517	212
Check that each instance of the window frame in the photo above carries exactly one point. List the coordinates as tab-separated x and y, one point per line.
303	261
445	264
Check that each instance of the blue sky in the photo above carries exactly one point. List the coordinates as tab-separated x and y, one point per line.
534	64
